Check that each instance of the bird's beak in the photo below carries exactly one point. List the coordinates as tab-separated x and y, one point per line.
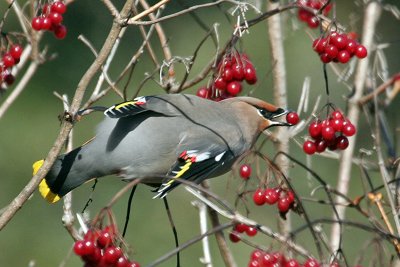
277	118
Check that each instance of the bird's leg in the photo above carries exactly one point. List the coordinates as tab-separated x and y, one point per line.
128	210
171	221
90	200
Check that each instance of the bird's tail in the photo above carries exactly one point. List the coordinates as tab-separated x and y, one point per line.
44	188
68	172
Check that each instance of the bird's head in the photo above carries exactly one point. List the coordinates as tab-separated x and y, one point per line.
265	114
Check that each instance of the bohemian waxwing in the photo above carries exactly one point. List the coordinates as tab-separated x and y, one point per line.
162	138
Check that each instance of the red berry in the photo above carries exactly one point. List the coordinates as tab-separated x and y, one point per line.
343	56
304	15
250	73
94	257
256	254
58	7
84	247
46	24
220	83
313	22
321	145
340	41
315	130
37	23
254	263
325	58
352	46
16	51
337	124
79	248
348	129
332	144
292	263
234	237
45	9
311	263
112	254
352	35
251	231
268	260
60	31
245	171
258	197
292	118
9	79
56	18
227	74
241	227
234	88
337	115
331	51
361	51
133	264
283	204
226	63
203	92
342	142
8	60
290	196
238	72
328	133
279	257
309	147
315	4
271	196
104	239
319	45
122	262
91	235
327	9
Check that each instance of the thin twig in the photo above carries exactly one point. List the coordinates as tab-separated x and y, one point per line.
371	16
280	96
19	88
206	259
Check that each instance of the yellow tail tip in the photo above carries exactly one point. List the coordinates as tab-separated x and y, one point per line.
46	193
44	188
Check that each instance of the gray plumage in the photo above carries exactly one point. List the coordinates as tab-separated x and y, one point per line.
145	138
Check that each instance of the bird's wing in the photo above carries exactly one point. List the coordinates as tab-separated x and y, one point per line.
196	163
168	105
128	108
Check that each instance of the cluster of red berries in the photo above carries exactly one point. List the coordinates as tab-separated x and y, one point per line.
240	228
338	47
330	133
51	18
98	249
259	258
307	16
284	198
231	72
8	60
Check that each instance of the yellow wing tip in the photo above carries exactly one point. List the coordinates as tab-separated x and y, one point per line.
36	166
44	189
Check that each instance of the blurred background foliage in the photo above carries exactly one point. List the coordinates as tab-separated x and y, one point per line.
30	126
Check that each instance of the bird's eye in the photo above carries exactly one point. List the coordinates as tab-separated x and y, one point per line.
263	112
